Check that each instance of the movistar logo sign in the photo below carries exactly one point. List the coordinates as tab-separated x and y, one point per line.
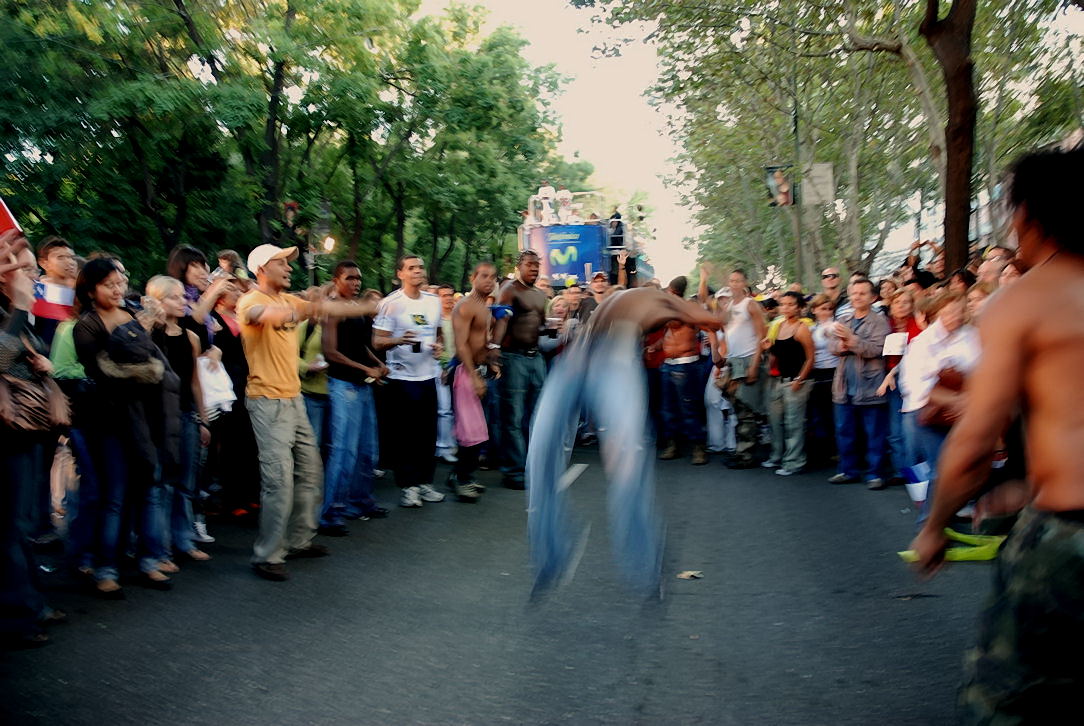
557	257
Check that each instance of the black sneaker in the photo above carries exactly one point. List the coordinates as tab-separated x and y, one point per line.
333	530
517	484
376	513
310	552
276	572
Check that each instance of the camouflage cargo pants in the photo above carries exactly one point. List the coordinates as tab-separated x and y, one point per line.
749	409
1029	661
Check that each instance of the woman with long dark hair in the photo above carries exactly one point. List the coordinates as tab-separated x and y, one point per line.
129	377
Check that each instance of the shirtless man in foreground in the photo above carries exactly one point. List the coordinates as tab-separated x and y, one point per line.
470	322
603	372
524	369
1027	665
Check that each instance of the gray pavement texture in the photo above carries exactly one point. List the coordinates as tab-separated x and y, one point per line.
805	615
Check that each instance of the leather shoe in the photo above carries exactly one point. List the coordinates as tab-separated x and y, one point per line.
275	572
312	551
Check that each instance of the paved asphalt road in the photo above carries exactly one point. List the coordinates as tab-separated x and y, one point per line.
804	616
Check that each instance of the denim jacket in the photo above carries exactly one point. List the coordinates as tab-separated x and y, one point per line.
865	361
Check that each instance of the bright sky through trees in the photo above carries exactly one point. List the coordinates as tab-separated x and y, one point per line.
606	117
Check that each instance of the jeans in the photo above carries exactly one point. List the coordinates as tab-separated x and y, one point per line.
83	530
607	377
683	402
720	418
522	384
492	403
821	426
348	481
291	477
924	443
177	517
897	439
412	406
21	477
126	487
873	420
786	409
445	421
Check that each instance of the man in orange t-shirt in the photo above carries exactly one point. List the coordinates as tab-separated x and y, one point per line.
291	473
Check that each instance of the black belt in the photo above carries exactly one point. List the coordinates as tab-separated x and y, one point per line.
529	352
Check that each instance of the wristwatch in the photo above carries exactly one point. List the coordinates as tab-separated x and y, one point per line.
492	346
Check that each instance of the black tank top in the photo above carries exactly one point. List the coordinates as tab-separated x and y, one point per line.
178	351
789	357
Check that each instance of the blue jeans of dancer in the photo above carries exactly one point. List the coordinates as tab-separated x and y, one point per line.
683	402
606	377
925	444
872	419
348	480
523	378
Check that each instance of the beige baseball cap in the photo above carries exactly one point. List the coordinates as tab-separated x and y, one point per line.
263	254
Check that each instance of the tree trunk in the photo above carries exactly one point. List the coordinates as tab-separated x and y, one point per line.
270	158
399	204
950	40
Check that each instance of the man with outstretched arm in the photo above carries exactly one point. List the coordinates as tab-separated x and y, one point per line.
291	474
1026	667
602	372
470	324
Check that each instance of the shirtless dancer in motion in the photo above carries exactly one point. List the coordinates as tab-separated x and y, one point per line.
1027	665
603	372
470	322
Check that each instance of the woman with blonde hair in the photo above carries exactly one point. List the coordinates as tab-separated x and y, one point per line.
181	348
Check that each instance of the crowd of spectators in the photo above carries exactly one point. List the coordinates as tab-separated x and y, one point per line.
136	415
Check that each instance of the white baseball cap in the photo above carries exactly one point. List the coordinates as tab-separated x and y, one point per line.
263	254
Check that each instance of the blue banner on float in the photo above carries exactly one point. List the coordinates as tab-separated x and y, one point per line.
567	250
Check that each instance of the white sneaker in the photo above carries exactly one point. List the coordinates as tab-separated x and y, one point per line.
410	498
785	472
201	533
769	464
429	494
378	473
449	457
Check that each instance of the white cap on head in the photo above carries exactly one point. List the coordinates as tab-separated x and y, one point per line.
599	274
263	254
723	292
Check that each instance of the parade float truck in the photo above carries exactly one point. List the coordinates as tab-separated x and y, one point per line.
574	243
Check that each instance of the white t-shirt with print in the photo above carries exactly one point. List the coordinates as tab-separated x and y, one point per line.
399	313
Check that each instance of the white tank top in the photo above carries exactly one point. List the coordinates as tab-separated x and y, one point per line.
741	335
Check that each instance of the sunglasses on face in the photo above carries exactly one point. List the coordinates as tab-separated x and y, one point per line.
829	276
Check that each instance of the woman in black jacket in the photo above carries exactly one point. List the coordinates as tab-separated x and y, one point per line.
130	380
